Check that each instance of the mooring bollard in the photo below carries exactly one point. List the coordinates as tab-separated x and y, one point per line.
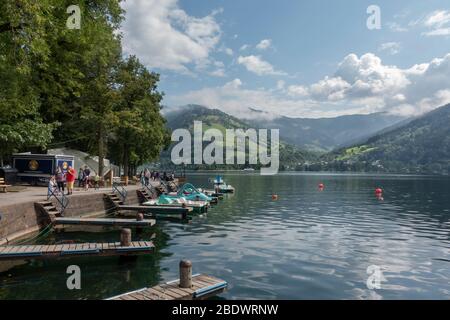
125	237
185	274
139	217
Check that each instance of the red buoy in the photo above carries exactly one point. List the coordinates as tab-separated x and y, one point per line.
378	191
321	186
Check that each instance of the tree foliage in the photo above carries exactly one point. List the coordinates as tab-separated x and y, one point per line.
72	87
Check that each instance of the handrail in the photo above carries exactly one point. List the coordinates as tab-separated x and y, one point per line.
166	187
151	190
116	187
62	200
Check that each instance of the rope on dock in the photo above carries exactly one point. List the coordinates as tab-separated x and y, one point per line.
44	232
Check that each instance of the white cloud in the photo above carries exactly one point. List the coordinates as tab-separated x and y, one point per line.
297	91
438	19
438	32
258	66
229	51
164	36
391	47
396	27
218	73
264	44
244	47
360	85
281	84
439	23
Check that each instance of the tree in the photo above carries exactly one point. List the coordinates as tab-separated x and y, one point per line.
141	133
76	86
22	43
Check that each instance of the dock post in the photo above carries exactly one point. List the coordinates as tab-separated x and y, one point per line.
125	237
185	274
139	217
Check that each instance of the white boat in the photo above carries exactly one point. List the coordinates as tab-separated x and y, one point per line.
225	188
248	169
221	186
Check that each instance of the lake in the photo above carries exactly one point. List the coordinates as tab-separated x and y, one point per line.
309	244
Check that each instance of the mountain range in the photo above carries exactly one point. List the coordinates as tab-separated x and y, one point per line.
376	142
291	156
326	134
319	135
421	145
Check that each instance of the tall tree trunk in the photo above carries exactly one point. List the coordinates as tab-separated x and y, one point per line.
101	150
126	161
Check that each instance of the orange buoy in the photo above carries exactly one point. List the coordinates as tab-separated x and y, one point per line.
274	197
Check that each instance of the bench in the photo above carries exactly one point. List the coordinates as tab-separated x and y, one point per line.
3	186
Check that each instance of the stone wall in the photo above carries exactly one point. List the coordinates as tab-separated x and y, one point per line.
20	219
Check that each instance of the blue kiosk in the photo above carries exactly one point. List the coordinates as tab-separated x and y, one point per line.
38	168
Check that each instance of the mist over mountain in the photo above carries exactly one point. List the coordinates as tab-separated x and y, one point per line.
326	134
321	135
419	146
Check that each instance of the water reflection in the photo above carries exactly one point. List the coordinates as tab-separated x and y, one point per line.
307	244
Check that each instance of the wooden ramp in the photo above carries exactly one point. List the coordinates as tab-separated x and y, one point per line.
104	222
75	249
203	287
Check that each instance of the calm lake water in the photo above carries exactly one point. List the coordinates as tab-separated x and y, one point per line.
307	245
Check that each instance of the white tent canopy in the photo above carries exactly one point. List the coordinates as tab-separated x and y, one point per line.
83	159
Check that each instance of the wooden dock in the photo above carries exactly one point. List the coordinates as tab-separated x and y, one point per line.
203	287
21	252
104	222
157	210
197	206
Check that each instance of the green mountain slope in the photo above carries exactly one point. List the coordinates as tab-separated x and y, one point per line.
184	117
420	146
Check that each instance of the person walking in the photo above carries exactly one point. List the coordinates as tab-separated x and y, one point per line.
60	179
86	175
80	177
147	176
96	181
70	178
142	178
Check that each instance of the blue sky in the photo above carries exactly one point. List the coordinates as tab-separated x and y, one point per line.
295	58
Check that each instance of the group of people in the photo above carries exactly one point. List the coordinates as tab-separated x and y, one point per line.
146	175
66	179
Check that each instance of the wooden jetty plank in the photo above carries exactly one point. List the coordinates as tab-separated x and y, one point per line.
180	294
202	284
188	291
206	279
149	296
7	249
74	249
167	292
160	294
104	222
156	209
